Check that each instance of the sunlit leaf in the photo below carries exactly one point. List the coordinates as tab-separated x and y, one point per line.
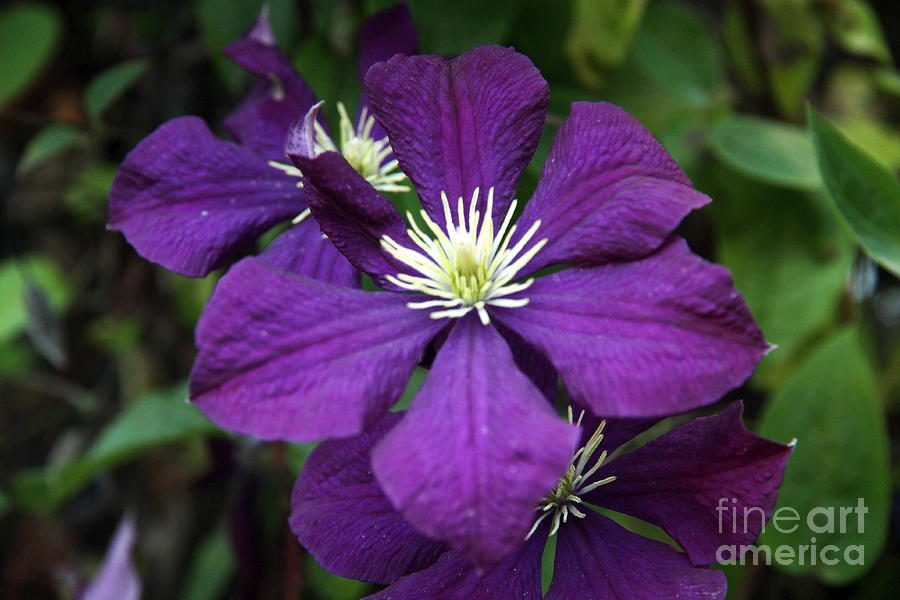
866	195
47	144
29	34
767	150
109	85
856	27
831	406
600	36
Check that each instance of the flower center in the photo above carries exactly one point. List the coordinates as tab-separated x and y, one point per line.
562	500
467	267
364	153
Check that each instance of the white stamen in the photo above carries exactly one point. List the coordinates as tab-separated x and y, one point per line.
365	154
573	485
468	265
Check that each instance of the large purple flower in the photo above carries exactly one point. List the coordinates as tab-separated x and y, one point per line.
188	200
680	482
641	327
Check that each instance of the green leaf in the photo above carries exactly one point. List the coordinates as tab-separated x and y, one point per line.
856	27
108	86
767	150
831	406
49	142
29	34
692	72
88	196
600	36
157	418
866	195
14	277
211	568
790	261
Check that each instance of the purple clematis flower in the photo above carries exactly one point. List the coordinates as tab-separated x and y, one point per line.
188	200
641	327
676	482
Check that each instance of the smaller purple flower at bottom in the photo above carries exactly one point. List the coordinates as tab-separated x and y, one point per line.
675	482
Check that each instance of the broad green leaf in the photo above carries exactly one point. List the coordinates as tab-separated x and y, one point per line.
740	45
600	36
831	406
866	195
14	277
767	150
856	27
790	261
157	418
211	569
109	85
29	34
49	142
691	71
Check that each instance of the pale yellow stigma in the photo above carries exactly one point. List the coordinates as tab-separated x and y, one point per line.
364	153
466	267
562	500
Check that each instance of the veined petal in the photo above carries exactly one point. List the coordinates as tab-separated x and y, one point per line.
303	250
477	450
460	124
352	214
693	480
279	98
657	336
608	190
187	200
342	518
517	577
283	356
598	559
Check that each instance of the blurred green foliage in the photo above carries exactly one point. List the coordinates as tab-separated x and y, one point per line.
806	216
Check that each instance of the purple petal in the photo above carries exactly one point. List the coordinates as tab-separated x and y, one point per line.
187	200
691	479
117	578
531	362
282	356
279	98
341	516
657	336
477	450
608	190
303	250
351	213
456	125
517	577
597	559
